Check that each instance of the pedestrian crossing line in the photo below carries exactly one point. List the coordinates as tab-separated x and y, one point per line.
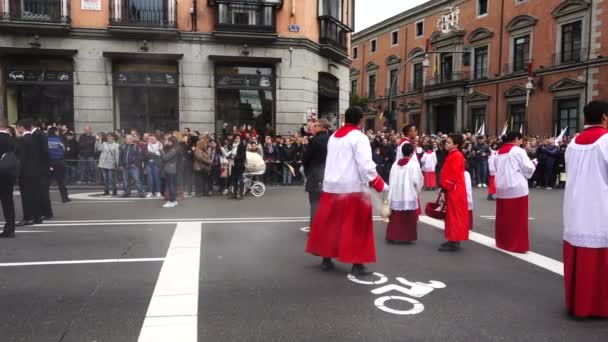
78	262
531	257
173	310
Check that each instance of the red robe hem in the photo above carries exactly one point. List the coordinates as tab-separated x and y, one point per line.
586	281
343	228
430	179
402	226
492	185
512	224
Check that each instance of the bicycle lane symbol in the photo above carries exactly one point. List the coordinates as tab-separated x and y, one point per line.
413	289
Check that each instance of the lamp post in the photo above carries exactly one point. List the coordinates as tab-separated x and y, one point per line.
529	89
425	65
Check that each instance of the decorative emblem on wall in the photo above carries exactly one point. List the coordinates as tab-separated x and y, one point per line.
450	21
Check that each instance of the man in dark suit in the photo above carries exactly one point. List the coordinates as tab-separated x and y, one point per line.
7	183
30	173
44	163
314	164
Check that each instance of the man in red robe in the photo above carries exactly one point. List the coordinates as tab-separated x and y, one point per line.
454	187
586	217
343	226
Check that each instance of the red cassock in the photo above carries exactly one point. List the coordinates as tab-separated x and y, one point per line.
343	229
430	180
452	181
492	185
586	280
512	224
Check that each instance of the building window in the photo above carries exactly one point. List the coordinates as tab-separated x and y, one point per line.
482	7
447	67
395	38
355	52
392	76
567	115
420	29
371	87
373	45
330	8
353	87
517	116
521	53
244	95
478	115
481	62
418	74
571	42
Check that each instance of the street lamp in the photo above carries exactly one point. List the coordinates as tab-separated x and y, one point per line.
425	65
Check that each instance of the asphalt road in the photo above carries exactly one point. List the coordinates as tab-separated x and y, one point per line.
219	270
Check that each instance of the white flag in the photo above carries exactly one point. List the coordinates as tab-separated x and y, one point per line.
504	129
521	129
481	129
560	138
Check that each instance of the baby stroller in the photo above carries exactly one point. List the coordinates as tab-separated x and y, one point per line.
254	170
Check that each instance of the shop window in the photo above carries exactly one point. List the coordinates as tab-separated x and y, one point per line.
244	96
146	96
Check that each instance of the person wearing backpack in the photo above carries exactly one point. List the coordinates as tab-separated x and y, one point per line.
7	179
57	163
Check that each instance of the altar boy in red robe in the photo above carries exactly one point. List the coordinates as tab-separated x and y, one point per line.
343	227
586	217
454	187
513	169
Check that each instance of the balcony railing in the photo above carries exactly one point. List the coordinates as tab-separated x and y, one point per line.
444	78
518	67
45	11
240	16
569	57
143	13
333	33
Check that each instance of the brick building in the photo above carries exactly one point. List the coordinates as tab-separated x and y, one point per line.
481	51
152	64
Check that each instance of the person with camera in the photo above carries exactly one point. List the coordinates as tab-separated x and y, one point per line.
9	168
108	161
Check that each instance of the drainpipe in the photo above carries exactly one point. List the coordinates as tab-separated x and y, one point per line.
193	15
500	47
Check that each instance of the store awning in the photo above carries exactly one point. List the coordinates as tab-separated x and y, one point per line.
245	59
144	56
17	51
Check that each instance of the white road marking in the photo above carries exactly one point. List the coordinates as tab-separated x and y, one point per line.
173	311
93	202
78	262
531	257
33	231
418	307
305	229
494	217
381	279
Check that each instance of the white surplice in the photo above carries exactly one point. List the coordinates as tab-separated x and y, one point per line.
406	183
513	169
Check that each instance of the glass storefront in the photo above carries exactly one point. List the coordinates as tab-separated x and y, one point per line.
244	95
146	96
41	89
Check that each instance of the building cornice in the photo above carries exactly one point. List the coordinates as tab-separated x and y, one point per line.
400	19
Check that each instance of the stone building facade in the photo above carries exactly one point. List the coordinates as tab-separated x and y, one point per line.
481	56
152	64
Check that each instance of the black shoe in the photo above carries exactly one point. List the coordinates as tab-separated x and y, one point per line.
360	270
45	218
7	235
106	193
25	223
450	247
114	194
491	198
66	200
125	195
327	265
39	221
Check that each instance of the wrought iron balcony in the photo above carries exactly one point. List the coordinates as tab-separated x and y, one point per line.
44	11
333	37
520	66
448	78
240	16
143	13
570	57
